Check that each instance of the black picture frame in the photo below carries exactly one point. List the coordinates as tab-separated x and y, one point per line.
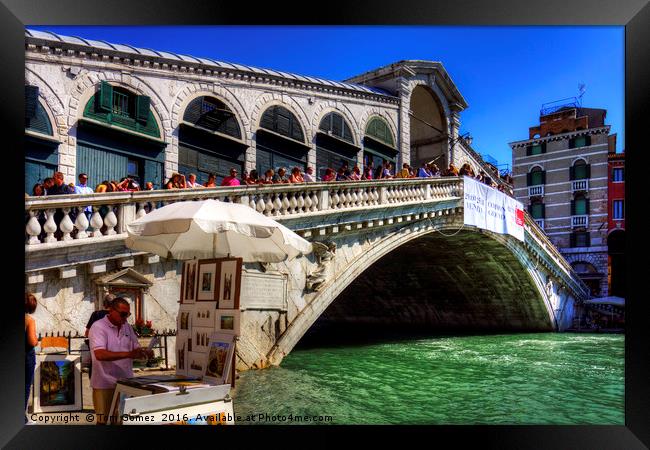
633	14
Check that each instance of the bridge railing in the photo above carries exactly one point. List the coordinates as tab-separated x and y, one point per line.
80	218
536	232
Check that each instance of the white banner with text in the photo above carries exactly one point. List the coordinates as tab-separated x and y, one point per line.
487	208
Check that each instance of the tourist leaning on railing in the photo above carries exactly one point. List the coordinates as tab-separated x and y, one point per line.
309	175
296	176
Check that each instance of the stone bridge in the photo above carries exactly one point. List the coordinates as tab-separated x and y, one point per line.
390	252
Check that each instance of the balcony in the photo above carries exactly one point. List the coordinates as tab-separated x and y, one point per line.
535	191
540	223
579	185
580	221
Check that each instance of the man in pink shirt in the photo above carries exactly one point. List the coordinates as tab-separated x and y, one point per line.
113	346
231	180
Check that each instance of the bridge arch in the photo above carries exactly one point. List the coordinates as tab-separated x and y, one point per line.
526	282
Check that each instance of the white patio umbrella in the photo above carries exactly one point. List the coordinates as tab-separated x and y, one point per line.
213	229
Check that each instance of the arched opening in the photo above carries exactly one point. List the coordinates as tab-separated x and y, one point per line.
429	138
616	260
118	136
210	140
590	275
580	170
467	283
41	148
334	144
280	141
378	144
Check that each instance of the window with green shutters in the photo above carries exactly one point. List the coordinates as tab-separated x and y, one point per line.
536	177
580	170
580	239
580	206
36	118
378	129
537	210
580	141
122	108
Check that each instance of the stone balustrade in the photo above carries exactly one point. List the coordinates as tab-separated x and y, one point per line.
66	220
69	217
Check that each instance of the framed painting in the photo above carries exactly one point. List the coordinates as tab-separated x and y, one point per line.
229	283
188	281
181	352
227	321
204	314
57	383
201	338
185	317
208	280
195	364
218	361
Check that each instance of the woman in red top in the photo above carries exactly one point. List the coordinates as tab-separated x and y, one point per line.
330	175
296	176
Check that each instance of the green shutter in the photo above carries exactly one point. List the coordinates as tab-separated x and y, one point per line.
580	207
153	173
31	101
105	96
142	108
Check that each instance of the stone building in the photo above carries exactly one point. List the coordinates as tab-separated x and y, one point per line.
113	110
561	173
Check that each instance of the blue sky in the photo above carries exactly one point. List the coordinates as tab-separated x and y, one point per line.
504	73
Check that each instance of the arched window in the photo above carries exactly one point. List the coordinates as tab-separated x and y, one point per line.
280	141
378	143
335	125
536	176
377	128
118	136
334	144
282	121
122	108
580	170
212	114
209	140
41	149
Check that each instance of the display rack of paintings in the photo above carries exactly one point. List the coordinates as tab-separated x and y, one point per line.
210	292
57	383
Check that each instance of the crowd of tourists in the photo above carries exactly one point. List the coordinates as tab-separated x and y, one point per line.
56	185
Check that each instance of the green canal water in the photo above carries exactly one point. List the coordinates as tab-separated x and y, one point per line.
545	378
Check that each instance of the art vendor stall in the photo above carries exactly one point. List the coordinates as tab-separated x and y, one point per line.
208	326
204	234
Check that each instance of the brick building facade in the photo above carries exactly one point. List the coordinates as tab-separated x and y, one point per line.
561	174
